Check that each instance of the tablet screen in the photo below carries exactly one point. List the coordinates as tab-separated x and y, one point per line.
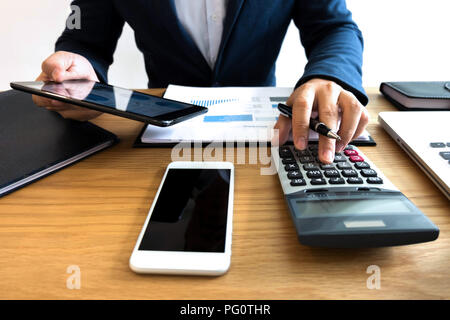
114	97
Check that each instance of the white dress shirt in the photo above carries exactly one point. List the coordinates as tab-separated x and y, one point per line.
203	21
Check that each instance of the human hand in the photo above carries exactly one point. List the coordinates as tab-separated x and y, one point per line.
329	100
62	66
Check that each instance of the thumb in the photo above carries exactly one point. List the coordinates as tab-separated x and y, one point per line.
68	66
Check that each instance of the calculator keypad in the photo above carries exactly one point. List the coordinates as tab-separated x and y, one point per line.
349	167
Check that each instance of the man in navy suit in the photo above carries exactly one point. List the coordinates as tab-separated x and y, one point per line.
225	43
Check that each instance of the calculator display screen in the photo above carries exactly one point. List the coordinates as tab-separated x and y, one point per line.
336	207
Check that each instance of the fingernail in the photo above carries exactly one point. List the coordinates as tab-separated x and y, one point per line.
301	143
328	155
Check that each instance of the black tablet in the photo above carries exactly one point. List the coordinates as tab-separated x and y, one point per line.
118	101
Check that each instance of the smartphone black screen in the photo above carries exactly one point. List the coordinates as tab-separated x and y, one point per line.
190	213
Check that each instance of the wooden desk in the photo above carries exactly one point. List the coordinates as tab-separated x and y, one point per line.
90	215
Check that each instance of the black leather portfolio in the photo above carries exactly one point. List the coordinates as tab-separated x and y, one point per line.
35	142
418	95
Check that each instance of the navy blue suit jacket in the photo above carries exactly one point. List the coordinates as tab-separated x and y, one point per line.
251	41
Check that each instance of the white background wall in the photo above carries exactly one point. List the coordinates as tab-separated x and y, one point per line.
404	40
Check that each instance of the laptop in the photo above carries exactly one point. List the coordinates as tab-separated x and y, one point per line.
425	137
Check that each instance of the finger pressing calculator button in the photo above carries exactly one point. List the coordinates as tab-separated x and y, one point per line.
298	182
285	152
349	173
356	159
288	160
344	165
362	165
314	174
291	167
336	181
354	180
349	153
294	175
310	166
368	173
339	158
302	153
375	180
306	159
317	181
332	173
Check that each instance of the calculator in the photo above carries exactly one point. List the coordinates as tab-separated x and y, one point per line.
347	204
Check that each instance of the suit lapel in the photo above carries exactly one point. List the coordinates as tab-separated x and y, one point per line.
168	12
179	32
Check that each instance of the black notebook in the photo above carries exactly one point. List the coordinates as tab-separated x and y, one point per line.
418	95
35	142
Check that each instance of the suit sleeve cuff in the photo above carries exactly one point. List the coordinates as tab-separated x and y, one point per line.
357	90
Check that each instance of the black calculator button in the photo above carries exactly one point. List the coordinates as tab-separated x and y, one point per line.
288	160
339	158
354	180
362	165
327	166
285	152
317	181
344	165
298	182
313	147
375	180
331	173
349	173
336	181
310	166
314	174
306	159
291	167
445	155
302	153
368	173
437	145
294	175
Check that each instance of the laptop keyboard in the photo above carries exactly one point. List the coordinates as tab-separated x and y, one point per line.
443	149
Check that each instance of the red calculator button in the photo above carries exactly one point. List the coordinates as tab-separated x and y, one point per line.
351	153
356	159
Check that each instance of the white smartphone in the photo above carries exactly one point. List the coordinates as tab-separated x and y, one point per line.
189	226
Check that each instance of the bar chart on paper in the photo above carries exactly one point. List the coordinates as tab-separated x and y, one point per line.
234	113
211	102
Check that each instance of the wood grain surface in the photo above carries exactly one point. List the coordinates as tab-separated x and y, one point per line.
90	215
